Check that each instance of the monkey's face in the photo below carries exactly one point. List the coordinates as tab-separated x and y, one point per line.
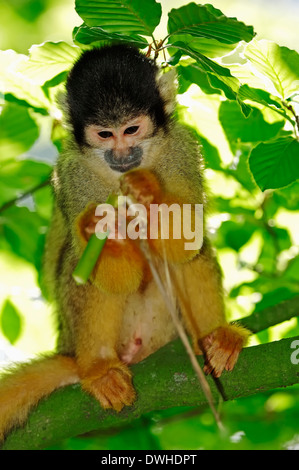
121	146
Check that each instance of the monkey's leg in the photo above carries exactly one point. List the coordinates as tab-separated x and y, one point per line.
100	306
199	288
24	386
97	331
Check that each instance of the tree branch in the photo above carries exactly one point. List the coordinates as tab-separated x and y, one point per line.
165	379
271	316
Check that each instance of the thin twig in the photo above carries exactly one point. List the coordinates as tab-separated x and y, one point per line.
169	298
291	109
11	203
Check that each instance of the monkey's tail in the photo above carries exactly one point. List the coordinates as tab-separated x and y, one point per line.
22	388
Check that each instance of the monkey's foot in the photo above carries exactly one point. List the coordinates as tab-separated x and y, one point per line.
111	385
222	348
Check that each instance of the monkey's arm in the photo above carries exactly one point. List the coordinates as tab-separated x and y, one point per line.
121	266
198	285
171	218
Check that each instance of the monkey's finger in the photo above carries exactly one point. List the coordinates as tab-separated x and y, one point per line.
217	358
232	359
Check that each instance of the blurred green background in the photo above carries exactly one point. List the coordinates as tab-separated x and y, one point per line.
256	235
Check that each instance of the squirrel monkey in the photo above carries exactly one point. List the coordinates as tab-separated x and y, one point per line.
122	136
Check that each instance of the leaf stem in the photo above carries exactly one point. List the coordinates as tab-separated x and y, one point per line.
296	125
11	203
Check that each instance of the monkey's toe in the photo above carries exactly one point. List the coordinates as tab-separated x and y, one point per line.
222	348
113	389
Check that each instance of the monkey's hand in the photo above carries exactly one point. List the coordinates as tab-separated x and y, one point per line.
88	223
174	228
121	265
222	348
109	381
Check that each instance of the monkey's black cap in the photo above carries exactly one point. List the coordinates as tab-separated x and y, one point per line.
110	85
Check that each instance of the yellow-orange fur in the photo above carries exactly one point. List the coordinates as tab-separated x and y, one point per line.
119	317
23	388
121	267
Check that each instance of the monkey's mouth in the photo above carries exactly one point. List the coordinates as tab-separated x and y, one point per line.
125	166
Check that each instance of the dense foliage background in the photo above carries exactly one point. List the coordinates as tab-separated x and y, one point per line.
240	93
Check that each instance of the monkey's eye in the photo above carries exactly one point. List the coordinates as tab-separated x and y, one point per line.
131	130
105	134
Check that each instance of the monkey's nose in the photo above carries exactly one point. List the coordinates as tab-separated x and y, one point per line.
122	153
124	162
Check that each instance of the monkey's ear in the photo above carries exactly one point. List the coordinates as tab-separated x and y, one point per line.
167	85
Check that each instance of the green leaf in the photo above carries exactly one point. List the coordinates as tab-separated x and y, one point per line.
277	63
18	131
43	199
28	100
28	10
263	283
240	169
121	16
247	75
11	323
210	83
292	270
22	92
233	207
209	47
282	236
217	77
207	22
287	197
193	74
275	240
48	60
229	85
24	231
54	82
21	176
235	234
203	62
275	164
88	34
251	129
275	297
259	96
210	154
